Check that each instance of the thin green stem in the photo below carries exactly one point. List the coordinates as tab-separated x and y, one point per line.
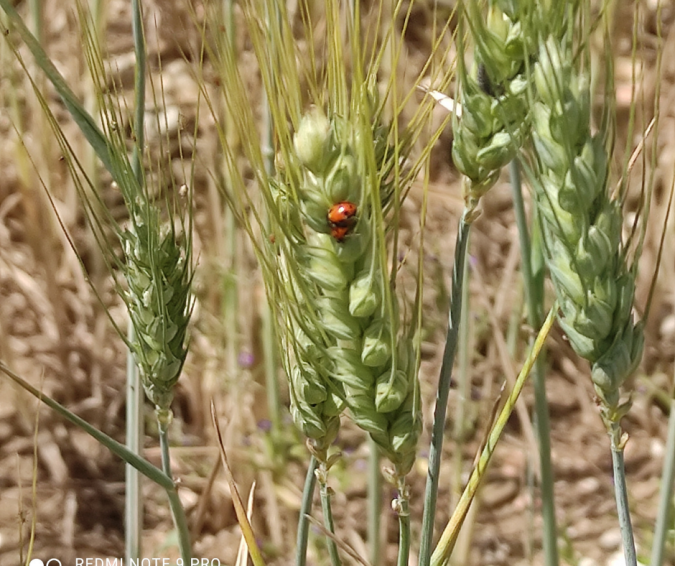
133	508
463	390
666	496
305	511
621	494
134	394
403	510
180	522
328	518
164	418
163	425
435	451
374	501
534	284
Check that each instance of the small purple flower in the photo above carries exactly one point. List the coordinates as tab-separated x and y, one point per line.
265	425
361	465
246	359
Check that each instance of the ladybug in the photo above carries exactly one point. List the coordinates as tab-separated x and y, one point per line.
342	214
341	217
340	232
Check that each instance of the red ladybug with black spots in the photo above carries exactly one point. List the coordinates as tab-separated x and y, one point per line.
341	217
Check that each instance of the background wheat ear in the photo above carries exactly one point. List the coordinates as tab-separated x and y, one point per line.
155	275
593	269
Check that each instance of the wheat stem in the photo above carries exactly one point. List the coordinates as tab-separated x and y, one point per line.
269	341
618	442
164	418
463	380
180	522
666	495
328	522
403	511
435	450
534	285
374	500
133	509
133	506
305	511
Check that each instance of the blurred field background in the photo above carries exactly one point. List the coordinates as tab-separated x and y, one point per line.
54	332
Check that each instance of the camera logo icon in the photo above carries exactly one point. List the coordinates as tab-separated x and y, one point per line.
50	562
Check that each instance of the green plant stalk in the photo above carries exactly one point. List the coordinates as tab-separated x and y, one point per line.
534	284
374	501
449	537
618	442
177	511
305	511
463	388
133	509
37	20
133	506
180	522
463	400
435	451
163	427
403	531
328	519
666	495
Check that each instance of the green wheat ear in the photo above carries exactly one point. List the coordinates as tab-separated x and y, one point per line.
581	222
158	272
341	327
493	122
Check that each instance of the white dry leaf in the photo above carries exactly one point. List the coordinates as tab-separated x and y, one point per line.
450	104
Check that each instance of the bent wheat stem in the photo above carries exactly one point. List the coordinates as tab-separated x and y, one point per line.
449	537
